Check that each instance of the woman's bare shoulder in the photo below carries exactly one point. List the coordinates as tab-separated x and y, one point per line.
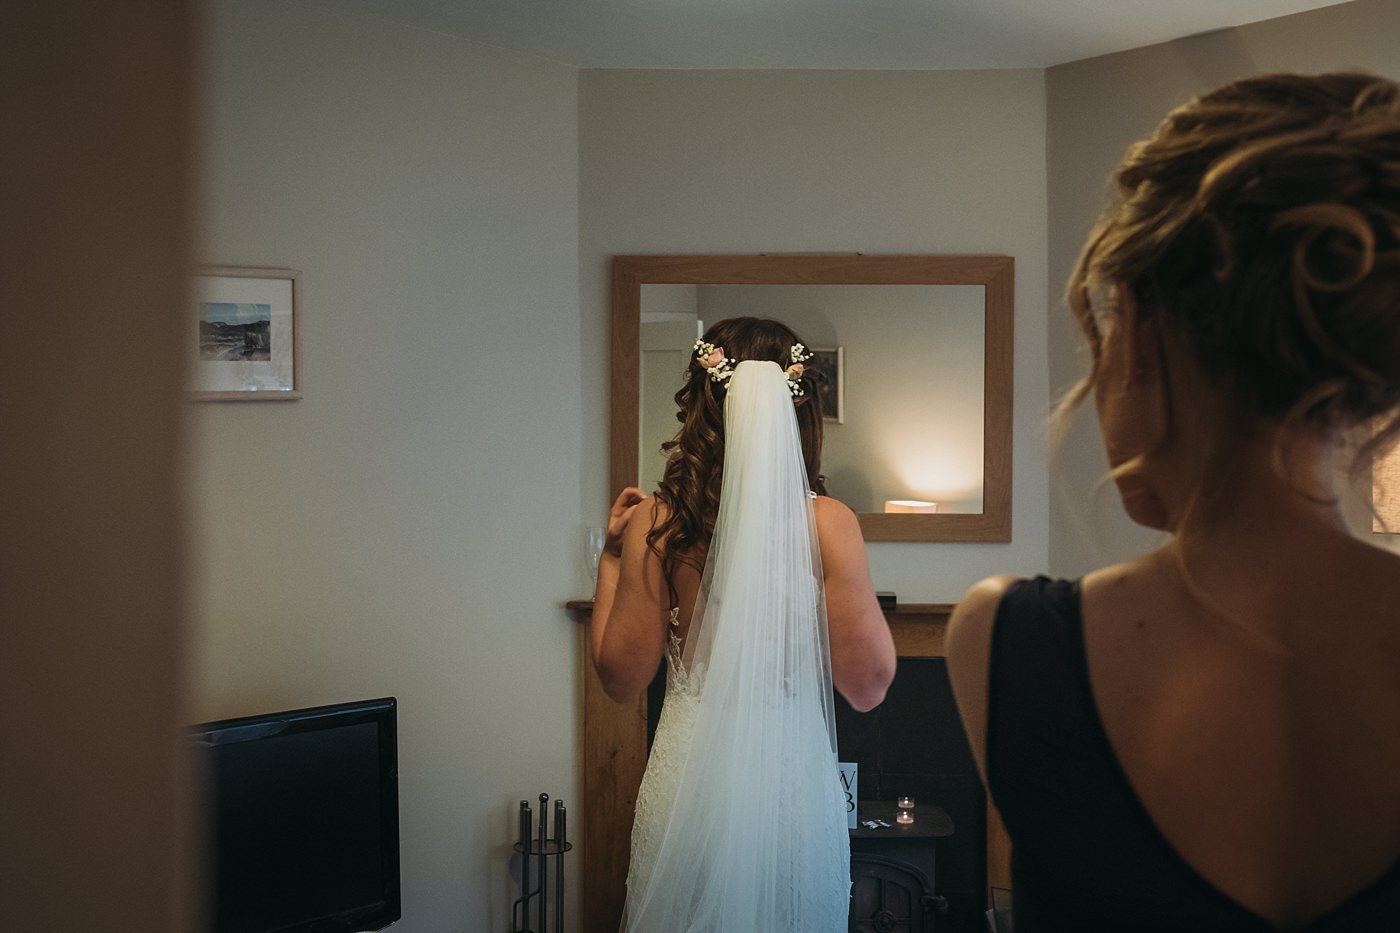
968	647
971	620
645	516
838	532
834	513
651	511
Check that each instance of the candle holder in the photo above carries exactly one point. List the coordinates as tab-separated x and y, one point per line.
905	803
904	816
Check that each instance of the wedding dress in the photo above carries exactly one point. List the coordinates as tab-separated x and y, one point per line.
740	821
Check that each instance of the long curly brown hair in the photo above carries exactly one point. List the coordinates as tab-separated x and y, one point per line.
694	472
1260	227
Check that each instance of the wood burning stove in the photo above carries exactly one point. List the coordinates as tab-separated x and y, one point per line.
893	869
913	745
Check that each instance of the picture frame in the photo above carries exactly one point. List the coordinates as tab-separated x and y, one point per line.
244	334
1385	493
832	362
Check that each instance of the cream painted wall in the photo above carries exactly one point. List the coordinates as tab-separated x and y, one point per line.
831	161
1096	108
413	525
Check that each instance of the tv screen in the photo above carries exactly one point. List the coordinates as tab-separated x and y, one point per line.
304	819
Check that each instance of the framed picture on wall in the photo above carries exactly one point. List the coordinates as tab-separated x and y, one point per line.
1385	493
245	334
831	362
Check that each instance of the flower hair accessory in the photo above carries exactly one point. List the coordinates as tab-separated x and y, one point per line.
712	359
795	371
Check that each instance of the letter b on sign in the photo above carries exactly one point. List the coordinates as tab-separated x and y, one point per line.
848	790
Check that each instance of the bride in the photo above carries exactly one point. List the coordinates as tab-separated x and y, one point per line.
757	594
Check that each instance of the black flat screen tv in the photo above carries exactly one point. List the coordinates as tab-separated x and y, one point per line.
304	819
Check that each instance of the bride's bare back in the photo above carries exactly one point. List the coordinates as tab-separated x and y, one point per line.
862	650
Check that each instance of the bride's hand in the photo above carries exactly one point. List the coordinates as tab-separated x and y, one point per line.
618	516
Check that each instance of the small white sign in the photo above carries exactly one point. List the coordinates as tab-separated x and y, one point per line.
848	790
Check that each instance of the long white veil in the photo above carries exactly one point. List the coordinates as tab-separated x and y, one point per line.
756	837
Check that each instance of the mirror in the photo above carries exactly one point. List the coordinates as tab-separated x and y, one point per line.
918	351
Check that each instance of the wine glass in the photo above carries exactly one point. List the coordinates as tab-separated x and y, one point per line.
594	551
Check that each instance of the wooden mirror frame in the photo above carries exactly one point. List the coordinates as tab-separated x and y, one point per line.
995	273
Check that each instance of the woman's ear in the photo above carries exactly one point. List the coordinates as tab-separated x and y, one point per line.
1141	339
1131	397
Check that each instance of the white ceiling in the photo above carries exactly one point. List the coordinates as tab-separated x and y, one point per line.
912	34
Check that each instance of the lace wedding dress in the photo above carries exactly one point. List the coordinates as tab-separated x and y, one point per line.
740	823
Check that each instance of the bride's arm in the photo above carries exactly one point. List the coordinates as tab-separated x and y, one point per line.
629	616
862	651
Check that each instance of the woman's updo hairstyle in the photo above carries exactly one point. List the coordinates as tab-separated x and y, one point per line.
690	485
1260	226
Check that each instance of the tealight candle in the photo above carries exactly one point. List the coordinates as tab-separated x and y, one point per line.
904	816
905	803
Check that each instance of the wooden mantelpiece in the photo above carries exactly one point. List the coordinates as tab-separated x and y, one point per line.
615	755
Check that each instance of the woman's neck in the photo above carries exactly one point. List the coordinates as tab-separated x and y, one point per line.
1265	534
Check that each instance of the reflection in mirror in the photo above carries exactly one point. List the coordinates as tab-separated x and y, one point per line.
903	400
919	352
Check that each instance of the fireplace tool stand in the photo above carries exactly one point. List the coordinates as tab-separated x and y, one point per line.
539	849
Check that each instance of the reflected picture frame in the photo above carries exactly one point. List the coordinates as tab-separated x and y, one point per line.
1385	492
243	334
831	361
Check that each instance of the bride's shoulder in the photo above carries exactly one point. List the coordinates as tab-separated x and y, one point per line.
834	518
830	510
649	514
655	508
828	505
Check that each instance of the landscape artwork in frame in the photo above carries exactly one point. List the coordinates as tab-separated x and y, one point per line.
1385	493
245	334
832	363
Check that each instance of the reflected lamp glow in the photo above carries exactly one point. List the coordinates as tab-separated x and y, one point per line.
946	469
910	507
